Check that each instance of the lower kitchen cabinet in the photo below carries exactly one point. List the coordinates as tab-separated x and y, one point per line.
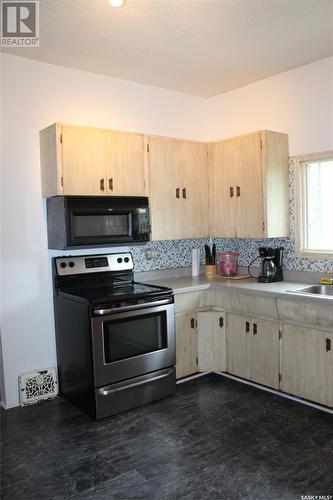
186	344
253	349
211	341
238	345
298	362
307	363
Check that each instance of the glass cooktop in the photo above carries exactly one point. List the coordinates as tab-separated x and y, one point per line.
109	294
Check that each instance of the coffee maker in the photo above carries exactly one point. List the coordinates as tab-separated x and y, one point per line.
271	265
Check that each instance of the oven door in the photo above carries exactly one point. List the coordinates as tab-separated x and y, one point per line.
129	343
99	225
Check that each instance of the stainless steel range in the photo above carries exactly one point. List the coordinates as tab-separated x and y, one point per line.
115	337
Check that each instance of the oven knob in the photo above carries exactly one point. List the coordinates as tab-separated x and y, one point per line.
119	260
71	263
63	265
126	259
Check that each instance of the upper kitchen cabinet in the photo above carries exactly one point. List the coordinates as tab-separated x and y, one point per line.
178	188
126	164
91	161
249	186
195	194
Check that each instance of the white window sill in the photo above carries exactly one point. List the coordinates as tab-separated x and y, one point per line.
314	254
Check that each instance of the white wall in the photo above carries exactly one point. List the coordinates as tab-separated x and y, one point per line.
36	94
298	102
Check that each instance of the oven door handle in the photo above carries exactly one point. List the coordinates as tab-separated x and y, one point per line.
109	392
103	312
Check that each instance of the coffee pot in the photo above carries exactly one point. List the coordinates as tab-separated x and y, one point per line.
271	265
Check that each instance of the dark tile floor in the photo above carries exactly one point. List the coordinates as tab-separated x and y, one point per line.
215	439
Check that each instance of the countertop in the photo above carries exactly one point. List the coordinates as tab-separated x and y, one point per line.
281	289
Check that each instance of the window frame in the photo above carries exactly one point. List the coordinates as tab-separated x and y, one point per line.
300	217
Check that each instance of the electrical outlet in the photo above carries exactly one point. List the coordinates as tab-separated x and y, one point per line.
148	254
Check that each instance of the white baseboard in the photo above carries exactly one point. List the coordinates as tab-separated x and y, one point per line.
278	393
192	377
8	407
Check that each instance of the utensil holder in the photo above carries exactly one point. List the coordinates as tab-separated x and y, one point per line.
210	271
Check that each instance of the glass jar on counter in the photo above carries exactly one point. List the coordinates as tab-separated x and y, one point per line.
227	263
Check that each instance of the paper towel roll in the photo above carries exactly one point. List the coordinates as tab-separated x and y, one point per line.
195	261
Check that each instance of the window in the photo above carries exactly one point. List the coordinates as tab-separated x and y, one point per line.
314	205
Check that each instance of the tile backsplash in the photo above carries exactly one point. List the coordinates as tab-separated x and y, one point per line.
166	254
177	253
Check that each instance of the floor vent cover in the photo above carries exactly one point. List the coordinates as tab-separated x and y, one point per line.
37	386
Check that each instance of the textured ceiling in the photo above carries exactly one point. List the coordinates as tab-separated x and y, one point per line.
201	47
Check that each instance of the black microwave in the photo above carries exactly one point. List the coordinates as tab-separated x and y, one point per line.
97	221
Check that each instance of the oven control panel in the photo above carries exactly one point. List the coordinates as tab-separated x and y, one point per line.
84	264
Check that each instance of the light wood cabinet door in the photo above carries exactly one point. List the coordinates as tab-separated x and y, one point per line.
83	160
211	341
265	352
186	345
222	182
253	349
165	188
239	345
307	364
178	188
194	189
125	164
248	189
91	161
276	183
249	186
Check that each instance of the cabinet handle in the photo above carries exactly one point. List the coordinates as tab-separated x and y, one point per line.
111	183
184	193
192	323
231	189
238	191
255	328
247	326
221	322
101	184
328	345
177	193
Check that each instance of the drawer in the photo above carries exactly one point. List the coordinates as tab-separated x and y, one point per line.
244	303
306	313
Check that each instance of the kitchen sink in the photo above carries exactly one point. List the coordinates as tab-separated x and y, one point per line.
316	289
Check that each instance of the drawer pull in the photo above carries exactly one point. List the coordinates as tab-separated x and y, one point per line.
184	193
101	184
111	183
221	322
238	191
255	328
328	345
192	323
247	326
177	193
231	190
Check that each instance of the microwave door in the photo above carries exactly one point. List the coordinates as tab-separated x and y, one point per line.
100	226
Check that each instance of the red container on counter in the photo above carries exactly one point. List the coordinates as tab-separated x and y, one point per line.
227	264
